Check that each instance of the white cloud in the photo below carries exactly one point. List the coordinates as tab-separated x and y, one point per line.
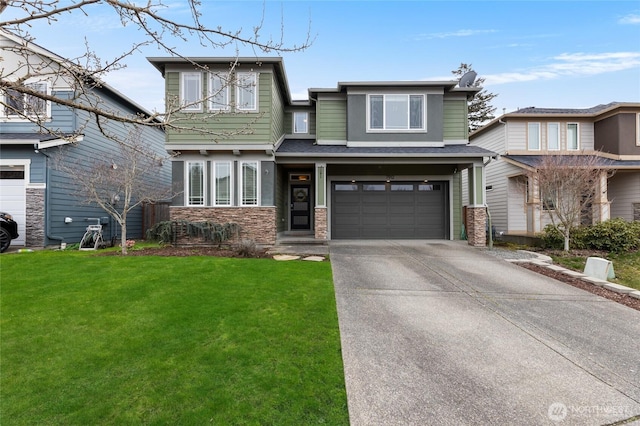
630	19
458	33
571	65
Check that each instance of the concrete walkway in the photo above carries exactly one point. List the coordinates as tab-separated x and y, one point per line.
437	332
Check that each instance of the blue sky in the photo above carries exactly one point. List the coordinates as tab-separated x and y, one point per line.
571	54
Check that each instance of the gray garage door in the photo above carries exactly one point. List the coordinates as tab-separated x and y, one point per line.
400	210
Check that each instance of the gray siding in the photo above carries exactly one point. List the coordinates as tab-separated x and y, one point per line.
623	192
62	119
26	152
357	124
268	183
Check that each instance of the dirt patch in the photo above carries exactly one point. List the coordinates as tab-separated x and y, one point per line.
624	299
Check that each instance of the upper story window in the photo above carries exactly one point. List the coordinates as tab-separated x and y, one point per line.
533	136
300	122
218	92
191	91
246	91
553	136
396	112
573	142
18	104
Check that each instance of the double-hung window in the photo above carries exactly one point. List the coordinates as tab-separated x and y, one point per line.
191	91
249	175
218	92
553	136
396	112
222	184
22	104
195	173
300	122
533	136
246	91
573	142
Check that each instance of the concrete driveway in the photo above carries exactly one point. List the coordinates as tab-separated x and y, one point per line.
440	333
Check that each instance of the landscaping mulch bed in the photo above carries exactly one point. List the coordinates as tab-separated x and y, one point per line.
576	282
191	251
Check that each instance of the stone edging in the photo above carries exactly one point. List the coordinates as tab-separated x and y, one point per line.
546	262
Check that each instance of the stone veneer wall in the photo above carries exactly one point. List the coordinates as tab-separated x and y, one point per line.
35	226
320	223
476	226
256	223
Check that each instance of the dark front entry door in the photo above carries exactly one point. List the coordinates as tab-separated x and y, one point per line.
301	206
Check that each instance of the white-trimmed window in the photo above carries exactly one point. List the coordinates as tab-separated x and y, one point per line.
553	136
222	184
218	92
300	122
246	91
638	130
396	112
249	183
533	136
191	91
196	182
18	104
573	140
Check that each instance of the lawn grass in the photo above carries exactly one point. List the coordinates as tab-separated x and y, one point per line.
90	339
625	265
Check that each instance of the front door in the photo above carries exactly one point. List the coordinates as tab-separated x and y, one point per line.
300	206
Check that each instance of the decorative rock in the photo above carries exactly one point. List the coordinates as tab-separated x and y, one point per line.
285	257
314	258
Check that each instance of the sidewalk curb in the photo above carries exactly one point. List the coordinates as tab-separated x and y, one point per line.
546	262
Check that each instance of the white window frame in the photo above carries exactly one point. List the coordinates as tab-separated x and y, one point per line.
187	179
241	87
638	129
557	136
304	128
577	147
529	134
219	92
241	183
385	128
189	104
214	181
47	104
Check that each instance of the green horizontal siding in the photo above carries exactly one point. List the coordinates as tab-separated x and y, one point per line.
331	120
455	120
224	127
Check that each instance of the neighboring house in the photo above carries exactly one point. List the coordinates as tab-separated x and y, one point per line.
364	160
611	132
41	198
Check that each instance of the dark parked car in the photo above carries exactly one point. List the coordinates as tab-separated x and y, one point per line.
8	231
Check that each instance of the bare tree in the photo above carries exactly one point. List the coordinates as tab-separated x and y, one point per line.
568	186
480	108
120	181
85	74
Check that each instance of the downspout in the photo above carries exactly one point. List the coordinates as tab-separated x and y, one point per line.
47	214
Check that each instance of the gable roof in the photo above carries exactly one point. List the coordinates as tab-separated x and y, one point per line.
532	161
100	85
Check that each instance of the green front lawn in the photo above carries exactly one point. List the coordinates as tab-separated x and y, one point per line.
90	339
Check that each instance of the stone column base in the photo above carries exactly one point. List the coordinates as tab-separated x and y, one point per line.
476	226
320	223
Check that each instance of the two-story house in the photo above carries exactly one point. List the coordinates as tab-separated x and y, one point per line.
611	132
40	196
363	160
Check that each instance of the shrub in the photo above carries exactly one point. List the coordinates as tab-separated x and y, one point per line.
246	248
166	232
615	235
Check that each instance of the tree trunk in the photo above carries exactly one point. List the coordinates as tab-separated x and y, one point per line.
123	236
566	242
